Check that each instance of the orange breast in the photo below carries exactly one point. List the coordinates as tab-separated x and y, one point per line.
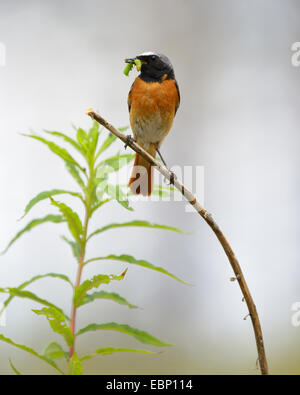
149	98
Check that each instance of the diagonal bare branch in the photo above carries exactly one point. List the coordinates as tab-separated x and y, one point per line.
191	198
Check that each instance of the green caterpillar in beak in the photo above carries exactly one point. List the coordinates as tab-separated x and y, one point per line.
129	66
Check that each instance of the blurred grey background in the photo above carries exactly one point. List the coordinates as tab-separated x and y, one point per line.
239	118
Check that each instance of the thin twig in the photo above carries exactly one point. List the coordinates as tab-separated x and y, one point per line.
213	225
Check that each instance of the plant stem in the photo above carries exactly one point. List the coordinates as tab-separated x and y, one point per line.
77	284
88	212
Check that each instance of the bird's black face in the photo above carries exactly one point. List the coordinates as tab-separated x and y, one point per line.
155	67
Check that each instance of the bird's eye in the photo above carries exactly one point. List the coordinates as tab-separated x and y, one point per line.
153	57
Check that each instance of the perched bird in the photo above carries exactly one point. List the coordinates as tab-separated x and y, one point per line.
152	102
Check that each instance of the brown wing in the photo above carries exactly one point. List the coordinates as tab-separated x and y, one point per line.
129	98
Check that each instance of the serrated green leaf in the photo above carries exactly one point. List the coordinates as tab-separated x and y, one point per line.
56	149
135	223
35	278
108	296
94	128
67	139
99	204
16	292
108	141
14	368
113	350
115	192
113	163
87	285
31	351
101	185
102	174
93	136
74	366
76	249
47	194
139	262
32	224
95	282
41	276
54	351
75	174
106	144
83	140
141	336
72	218
57	321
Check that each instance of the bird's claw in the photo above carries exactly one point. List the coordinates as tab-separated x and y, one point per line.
129	139
172	178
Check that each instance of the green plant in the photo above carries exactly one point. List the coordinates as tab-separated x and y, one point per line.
95	191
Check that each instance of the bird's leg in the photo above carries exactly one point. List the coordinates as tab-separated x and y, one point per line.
129	139
173	175
160	155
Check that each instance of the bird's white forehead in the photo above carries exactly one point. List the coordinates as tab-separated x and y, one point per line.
147	53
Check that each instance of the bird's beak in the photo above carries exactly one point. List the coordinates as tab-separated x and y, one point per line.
135	61
130	60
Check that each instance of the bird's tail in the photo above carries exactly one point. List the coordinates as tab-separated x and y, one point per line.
141	180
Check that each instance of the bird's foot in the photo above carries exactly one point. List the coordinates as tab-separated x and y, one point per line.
172	178
129	139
